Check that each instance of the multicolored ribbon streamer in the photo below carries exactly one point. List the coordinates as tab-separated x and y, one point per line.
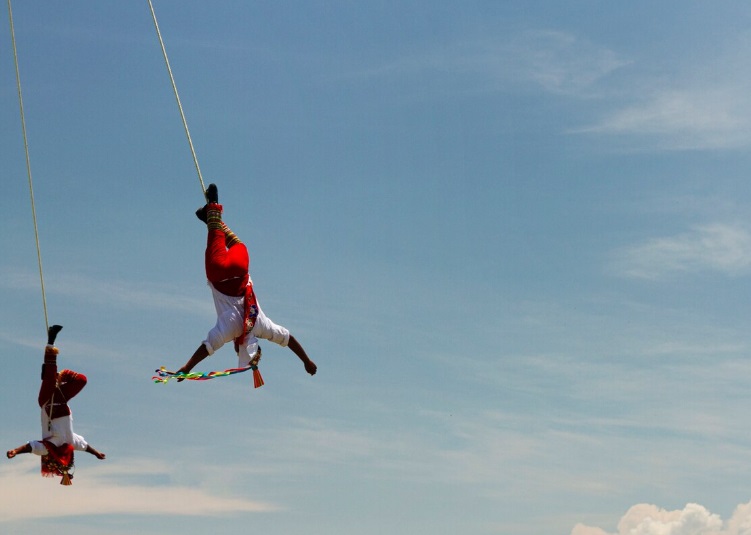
163	375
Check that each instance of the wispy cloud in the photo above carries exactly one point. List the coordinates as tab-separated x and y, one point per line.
561	62
700	105
73	347
464	451
682	119
113	293
554	61
717	247
677	112
108	489
693	519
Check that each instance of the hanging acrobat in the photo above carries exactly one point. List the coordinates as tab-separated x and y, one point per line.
59	440
239	316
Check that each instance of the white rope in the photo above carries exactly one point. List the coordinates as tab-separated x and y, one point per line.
177	97
28	163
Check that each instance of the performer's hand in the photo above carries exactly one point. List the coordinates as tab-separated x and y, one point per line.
311	367
96	453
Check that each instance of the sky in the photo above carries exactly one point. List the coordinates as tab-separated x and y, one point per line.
514	237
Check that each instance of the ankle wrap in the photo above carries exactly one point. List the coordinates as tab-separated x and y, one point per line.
214	216
230	238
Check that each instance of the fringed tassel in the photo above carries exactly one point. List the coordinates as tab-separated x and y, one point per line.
66	479
257	379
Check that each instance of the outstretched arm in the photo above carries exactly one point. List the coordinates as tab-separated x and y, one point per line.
201	353
98	454
298	350
26	448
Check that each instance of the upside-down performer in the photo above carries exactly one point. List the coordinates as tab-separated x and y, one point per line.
239	317
59	442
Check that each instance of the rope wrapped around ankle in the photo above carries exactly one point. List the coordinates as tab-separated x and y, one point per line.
214	216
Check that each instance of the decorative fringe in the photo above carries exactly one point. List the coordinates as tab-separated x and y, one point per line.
58	461
257	379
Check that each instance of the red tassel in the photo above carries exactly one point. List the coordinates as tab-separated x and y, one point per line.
257	379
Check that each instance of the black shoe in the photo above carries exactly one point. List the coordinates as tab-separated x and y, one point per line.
52	333
201	214
212	195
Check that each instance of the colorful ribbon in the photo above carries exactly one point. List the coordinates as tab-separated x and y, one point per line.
163	375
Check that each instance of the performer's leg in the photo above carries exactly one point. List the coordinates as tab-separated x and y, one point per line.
49	375
223	263
230	238
223	260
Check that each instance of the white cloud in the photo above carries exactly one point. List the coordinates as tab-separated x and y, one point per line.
561	62
715	247
113	293
704	109
699	105
693	519
110	489
556	61
683	119
581	529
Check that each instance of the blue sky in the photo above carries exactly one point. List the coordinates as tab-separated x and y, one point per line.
514	236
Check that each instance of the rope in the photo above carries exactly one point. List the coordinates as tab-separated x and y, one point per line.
28	164
177	97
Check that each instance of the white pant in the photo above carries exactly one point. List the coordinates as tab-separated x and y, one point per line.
230	323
